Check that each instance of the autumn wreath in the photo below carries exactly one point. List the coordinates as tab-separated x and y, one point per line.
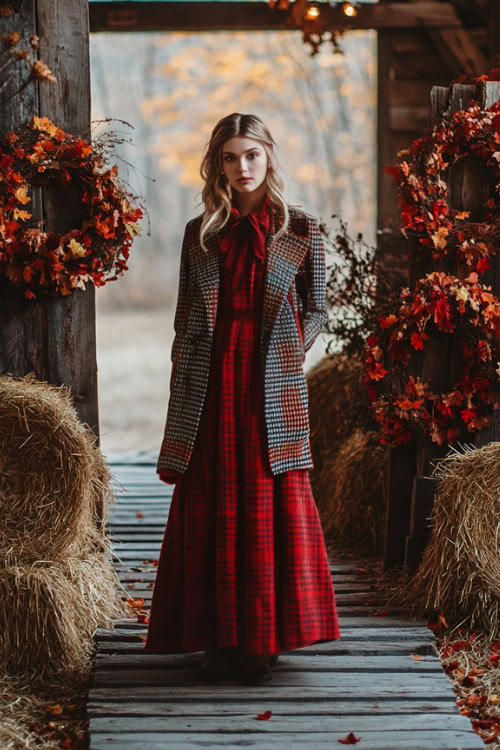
40	262
403	405
423	188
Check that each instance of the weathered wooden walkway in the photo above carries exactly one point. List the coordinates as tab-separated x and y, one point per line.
368	682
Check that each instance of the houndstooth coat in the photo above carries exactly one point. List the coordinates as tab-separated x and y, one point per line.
294	312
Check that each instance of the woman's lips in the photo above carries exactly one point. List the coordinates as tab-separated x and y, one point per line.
244	179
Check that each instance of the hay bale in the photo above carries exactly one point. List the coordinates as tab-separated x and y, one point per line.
54	482
349	463
49	616
355	498
338	403
459	574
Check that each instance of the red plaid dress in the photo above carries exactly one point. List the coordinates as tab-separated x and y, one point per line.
243	560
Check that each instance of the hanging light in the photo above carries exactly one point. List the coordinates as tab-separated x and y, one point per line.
312	12
350	9
306	15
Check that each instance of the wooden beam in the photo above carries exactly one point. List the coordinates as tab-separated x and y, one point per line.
459	51
252	16
494	32
54	338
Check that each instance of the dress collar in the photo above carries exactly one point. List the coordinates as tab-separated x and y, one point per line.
245	237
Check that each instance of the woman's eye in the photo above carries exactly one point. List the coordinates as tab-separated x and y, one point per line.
254	153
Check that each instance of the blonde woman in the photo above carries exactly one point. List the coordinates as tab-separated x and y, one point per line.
243	572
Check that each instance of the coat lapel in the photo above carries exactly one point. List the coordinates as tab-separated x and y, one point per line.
283	258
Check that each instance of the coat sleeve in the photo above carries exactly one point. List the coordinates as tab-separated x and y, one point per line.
315	311
181	307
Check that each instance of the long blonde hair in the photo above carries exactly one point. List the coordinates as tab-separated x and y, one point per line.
216	193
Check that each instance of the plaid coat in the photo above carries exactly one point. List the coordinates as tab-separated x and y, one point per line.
294	312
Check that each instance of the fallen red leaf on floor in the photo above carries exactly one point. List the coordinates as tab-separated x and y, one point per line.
139	515
266	715
135	603
460	646
483	723
382	613
472	700
417	657
54	709
351	739
439	625
362	571
468	681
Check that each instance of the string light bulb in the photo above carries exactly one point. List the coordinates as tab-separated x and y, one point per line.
350	9
313	12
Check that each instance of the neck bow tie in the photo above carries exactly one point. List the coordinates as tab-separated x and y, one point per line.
246	236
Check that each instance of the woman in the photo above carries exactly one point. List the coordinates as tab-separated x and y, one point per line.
243	572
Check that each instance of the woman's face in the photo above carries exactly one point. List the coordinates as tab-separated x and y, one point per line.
244	157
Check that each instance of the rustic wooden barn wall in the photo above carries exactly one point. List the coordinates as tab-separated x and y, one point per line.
53	338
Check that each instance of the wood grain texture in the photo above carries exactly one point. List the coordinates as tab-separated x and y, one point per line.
53	338
23	325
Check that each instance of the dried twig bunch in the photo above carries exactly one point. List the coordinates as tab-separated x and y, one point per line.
11	55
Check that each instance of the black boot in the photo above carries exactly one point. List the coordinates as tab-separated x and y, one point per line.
218	664
255	669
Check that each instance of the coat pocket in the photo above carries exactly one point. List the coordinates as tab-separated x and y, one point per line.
298	317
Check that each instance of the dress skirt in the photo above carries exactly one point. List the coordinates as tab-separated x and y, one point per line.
243	560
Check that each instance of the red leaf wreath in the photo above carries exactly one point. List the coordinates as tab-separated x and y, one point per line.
403	405
423	190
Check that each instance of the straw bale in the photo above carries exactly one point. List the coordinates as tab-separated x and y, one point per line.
54	483
459	574
50	613
338	401
349	463
354	506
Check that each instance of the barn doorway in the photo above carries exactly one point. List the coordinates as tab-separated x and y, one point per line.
172	87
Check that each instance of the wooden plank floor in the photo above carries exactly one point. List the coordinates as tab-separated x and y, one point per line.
368	682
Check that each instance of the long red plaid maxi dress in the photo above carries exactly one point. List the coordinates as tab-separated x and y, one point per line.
243	560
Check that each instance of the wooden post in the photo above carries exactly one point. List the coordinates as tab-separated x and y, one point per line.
442	361
400	473
53	338
490	95
494	32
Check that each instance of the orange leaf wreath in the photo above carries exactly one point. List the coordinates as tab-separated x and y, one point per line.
49	263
